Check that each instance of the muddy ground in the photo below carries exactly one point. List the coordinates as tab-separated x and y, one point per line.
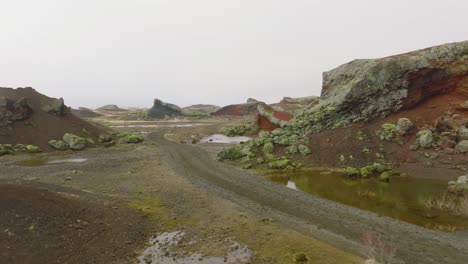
139	191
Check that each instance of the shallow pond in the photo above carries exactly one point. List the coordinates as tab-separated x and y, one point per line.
217	138
403	198
37	162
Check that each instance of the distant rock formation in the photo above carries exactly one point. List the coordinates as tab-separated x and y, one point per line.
201	109
111	108
367	89
30	118
84	112
161	109
253	101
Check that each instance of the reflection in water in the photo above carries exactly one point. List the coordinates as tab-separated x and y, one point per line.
217	138
404	198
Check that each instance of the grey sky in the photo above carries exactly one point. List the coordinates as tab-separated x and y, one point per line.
127	52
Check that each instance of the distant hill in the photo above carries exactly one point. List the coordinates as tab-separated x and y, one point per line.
110	108
201	109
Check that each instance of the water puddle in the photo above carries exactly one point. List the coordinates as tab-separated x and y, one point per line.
159	252
217	138
404	198
37	162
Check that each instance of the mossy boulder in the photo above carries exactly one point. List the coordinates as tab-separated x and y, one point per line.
352	172
268	147
236	131
425	138
292	149
233	153
105	138
304	150
404	125
385	176
58	144
130	139
75	142
32	149
3	150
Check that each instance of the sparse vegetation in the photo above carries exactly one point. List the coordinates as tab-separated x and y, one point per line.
378	249
236	131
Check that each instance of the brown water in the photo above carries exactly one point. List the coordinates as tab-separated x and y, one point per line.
404	198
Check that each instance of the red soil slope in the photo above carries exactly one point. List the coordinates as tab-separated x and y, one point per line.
41	126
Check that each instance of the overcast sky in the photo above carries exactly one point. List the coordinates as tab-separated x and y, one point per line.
127	52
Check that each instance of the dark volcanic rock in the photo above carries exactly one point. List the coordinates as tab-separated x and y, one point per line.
161	109
57	107
11	111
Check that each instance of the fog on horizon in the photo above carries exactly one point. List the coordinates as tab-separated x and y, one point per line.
220	52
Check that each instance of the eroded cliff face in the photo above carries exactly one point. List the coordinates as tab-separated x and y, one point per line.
363	90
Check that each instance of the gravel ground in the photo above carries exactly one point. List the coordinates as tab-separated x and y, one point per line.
340	225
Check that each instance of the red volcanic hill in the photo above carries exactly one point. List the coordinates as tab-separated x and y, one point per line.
28	117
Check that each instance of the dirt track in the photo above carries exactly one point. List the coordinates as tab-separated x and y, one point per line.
334	223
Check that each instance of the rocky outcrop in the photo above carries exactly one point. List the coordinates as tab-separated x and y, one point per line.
253	101
56	107
363	90
11	111
201	109
161	109
268	118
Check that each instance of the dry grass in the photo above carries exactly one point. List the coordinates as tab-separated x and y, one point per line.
453	203
377	249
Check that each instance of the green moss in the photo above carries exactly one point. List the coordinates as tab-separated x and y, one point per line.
352	172
279	164
385	176
127	138
233	153
236	131
388	132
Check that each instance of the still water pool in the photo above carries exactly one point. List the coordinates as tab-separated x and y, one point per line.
403	198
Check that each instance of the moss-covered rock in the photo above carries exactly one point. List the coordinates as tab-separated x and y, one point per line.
385	176
58	144
130	138
32	149
352	172
233	153
425	138
75	142
105	138
292	149
304	150
236	131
